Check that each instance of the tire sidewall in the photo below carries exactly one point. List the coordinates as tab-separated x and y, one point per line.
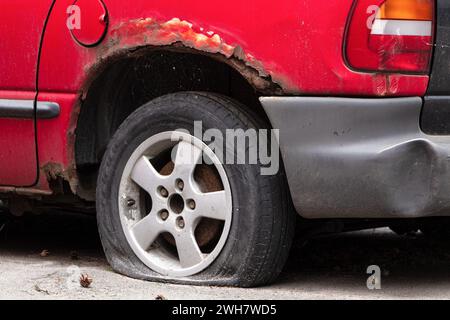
155	117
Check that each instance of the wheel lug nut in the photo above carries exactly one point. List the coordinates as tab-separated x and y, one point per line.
163	192
180	184
180	223
131	202
191	204
164	214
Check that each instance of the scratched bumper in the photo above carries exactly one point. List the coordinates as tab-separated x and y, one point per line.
361	158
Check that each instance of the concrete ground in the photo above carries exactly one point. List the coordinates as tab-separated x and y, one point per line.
332	267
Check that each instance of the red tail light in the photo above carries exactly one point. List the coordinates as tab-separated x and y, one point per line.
390	35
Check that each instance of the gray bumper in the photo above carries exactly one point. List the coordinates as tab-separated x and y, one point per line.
361	158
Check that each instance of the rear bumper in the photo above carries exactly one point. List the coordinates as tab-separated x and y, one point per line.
361	158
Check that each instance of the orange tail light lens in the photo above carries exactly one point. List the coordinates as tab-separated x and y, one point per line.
391	36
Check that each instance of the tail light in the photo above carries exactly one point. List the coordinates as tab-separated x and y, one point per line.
390	35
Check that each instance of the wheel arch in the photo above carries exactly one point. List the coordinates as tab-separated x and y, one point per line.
125	80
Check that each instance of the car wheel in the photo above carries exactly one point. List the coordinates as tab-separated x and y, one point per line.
164	215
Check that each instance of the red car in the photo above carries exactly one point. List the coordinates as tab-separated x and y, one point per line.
166	116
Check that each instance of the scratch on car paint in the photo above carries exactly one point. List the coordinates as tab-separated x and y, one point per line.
381	84
152	32
385	84
393	84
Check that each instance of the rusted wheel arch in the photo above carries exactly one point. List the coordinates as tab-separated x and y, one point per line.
93	126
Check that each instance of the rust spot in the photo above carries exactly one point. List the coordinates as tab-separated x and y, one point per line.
55	172
70	174
136	38
154	32
175	34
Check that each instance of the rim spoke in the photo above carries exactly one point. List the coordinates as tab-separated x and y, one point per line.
146	231
212	205
187	157
178	203
188	249
145	175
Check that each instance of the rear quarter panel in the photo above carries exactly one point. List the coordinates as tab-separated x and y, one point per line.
298	43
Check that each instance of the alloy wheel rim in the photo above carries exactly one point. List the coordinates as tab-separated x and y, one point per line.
164	235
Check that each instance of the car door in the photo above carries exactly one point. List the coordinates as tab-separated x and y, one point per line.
21	26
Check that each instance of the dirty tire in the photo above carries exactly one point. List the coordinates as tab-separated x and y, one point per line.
263	220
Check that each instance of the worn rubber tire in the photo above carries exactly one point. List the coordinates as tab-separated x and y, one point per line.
263	219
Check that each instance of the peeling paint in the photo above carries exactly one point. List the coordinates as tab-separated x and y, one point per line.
152	32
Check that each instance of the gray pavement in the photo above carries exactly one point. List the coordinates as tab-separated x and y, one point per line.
332	267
